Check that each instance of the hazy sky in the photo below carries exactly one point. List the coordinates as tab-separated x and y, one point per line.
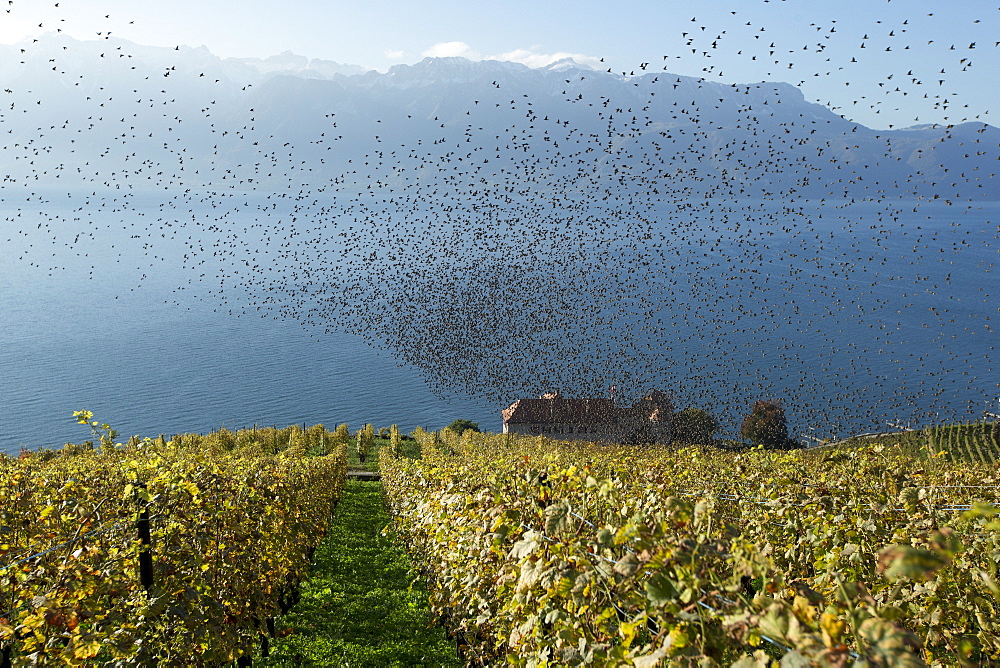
815	44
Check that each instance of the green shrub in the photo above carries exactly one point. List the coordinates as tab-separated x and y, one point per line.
694	426
459	426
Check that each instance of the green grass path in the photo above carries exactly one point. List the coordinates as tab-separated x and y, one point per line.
358	607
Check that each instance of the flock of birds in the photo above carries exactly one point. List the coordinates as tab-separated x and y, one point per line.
642	230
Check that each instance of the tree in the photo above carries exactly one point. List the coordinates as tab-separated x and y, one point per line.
459	426
766	425
694	426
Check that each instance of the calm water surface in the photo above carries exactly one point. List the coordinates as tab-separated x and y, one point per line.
875	324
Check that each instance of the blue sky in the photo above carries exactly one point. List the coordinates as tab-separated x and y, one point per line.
894	79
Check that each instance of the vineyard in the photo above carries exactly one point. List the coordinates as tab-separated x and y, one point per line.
544	553
968	442
193	550
160	552
977	443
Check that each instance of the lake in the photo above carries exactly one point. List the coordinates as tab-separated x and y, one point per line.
882	320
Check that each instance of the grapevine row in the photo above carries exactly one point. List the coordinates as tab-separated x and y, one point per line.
537	551
160	552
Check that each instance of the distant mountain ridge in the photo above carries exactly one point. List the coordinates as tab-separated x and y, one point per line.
113	114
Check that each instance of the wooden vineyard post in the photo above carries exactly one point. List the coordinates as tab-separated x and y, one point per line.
145	540
265	646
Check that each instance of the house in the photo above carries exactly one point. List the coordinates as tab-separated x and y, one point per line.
649	420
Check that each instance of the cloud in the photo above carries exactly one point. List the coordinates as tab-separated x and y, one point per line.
451	49
393	54
534	59
530	57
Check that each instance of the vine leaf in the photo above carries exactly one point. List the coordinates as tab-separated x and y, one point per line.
627	565
899	562
660	589
557	518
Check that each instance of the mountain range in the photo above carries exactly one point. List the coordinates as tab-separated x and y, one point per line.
113	114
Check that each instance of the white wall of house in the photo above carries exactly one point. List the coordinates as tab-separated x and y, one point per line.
574	432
